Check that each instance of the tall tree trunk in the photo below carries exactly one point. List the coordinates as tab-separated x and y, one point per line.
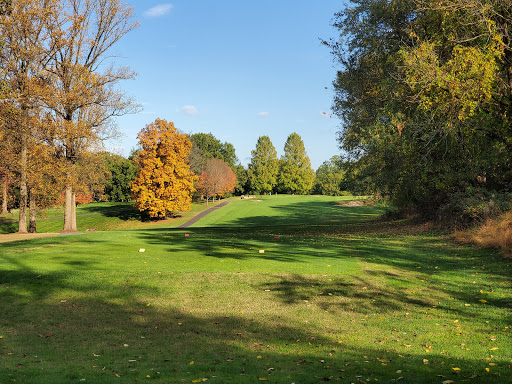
5	186
69	211
22	222
73	211
32	214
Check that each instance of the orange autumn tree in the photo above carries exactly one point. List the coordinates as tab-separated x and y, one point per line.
165	182
216	179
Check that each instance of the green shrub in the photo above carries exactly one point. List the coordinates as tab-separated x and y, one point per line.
473	206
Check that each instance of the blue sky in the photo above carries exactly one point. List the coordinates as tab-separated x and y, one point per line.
237	69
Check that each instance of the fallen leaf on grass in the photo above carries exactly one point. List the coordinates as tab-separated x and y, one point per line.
448	382
456	369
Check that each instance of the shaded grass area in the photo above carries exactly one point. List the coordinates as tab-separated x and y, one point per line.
351	302
99	217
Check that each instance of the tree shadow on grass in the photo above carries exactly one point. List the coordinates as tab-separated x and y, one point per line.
123	212
72	324
56	330
395	265
347	293
8	226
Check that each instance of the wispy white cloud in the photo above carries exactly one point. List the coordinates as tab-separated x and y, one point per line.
189	110
159	10
263	114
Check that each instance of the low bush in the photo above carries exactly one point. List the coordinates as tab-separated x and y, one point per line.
473	206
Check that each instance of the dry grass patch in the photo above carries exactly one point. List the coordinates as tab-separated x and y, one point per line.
494	233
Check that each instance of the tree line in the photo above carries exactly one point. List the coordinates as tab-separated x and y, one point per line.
424	91
173	166
168	169
59	95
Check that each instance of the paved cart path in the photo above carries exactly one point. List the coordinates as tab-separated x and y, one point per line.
198	217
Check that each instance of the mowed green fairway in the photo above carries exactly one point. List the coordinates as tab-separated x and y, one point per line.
288	289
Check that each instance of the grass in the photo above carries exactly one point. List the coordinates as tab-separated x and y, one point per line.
336	296
96	216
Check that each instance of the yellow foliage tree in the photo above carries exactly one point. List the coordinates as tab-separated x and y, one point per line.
165	182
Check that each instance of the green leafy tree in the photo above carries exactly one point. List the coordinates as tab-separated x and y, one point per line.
206	146
295	174
242	180
264	166
423	91
122	173
368	89
330	178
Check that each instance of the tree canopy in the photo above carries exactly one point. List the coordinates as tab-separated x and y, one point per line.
264	166
165	182
424	90
330	178
121	173
216	179
295	173
61	85
206	146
